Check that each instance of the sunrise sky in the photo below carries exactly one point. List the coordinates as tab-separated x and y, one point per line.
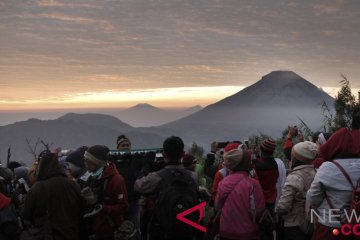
169	53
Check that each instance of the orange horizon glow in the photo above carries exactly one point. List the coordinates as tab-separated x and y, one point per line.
182	97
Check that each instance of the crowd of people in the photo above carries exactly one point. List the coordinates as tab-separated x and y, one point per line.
87	194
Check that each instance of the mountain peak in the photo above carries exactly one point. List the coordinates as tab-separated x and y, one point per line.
143	105
277	79
283	75
280	89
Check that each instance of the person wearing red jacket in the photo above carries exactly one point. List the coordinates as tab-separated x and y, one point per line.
109	187
267	172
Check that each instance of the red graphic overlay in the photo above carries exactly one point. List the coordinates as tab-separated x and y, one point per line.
200	208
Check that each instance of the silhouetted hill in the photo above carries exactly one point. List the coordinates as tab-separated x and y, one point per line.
97	120
146	115
69	132
268	106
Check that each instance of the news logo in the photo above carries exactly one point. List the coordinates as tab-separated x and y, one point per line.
349	220
200	207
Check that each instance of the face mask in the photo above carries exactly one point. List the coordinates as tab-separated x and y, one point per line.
98	172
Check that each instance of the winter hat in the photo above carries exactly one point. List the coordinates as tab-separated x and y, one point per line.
305	152
238	158
231	146
12	165
232	158
188	160
97	154
323	137
268	145
77	157
21	172
121	139
343	143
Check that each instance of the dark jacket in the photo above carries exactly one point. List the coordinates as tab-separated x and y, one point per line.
112	197
54	192
267	172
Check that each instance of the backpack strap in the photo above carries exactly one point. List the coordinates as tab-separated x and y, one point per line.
347	178
344	173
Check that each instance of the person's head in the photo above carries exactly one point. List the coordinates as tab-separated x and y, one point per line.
189	161
75	161
268	147
48	166
13	164
21	176
123	143
303	153
238	159
173	150
21	172
96	157
343	143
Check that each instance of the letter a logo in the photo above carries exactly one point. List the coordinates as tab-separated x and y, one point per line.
200	208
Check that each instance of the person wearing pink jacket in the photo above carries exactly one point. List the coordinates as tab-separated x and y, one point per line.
239	198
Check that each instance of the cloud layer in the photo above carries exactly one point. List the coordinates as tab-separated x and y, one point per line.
50	48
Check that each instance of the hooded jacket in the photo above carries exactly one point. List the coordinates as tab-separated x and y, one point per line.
238	195
292	200
113	199
55	194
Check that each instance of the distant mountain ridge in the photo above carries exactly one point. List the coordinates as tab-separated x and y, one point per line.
268	106
69	132
146	115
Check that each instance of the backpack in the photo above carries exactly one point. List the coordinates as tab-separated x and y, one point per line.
353	211
176	193
9	221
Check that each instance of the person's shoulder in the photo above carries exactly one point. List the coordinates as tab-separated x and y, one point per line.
326	166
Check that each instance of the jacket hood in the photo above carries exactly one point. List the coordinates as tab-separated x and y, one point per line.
109	171
344	143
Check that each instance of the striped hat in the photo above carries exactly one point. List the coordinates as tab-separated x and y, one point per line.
97	154
268	145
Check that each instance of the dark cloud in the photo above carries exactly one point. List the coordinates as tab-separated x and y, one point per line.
161	43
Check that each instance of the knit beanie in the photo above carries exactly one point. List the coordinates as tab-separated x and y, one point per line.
21	172
268	145
122	138
231	146
305	152
97	154
238	160
77	157
233	158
